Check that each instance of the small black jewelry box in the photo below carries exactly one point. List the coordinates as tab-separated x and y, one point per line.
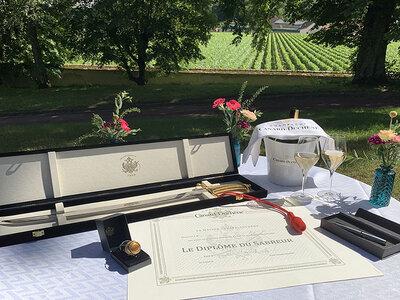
113	231
368	223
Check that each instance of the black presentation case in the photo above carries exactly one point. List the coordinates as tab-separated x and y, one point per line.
66	181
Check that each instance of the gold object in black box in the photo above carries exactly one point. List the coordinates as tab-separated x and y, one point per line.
130	247
115	238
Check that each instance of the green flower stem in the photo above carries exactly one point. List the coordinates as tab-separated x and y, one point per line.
388	154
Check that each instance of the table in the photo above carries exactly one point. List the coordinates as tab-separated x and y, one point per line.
76	267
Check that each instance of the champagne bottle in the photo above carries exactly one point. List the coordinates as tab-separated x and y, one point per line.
293	113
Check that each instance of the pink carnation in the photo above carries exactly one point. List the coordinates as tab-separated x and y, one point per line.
233	104
396	139
218	102
243	124
108	124
249	114
376	140
124	125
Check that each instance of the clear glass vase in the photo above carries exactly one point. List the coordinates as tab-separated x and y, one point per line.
382	186
236	146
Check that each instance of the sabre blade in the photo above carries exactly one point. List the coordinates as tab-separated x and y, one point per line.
77	214
132	205
29	220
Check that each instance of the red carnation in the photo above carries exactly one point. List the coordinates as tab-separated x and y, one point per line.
233	104
218	102
124	125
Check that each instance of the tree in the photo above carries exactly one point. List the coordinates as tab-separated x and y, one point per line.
11	50
250	17
135	34
32	38
368	25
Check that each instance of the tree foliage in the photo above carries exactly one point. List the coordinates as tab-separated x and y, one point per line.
134	34
32	38
12	51
368	25
250	17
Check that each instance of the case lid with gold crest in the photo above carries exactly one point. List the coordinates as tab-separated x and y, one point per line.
56	173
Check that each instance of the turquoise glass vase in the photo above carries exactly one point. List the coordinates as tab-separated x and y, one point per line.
382	186
236	147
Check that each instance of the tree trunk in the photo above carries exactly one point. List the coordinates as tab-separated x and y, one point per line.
369	68
39	73
2	64
140	59
127	69
142	45
141	79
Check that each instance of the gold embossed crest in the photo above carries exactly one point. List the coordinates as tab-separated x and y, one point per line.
130	166
110	231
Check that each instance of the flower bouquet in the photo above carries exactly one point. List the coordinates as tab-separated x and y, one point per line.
387	146
237	113
116	130
238	116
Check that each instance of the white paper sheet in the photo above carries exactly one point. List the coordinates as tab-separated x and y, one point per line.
236	249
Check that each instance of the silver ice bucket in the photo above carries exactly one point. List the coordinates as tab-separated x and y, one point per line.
282	168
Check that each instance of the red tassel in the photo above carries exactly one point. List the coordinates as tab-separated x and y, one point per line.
296	222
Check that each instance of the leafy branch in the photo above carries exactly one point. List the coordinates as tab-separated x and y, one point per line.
248	102
116	130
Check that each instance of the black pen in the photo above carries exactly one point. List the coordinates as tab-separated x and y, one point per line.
363	234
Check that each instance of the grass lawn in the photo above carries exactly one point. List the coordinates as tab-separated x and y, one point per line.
356	124
78	97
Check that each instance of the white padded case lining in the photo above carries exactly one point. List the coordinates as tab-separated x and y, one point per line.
56	174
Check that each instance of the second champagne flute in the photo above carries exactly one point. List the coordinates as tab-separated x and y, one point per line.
333	153
306	156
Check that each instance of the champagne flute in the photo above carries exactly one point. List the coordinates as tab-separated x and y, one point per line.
306	156
333	152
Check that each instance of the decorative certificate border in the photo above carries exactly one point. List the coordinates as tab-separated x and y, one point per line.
163	277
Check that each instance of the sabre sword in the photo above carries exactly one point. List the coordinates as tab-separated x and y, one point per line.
84	213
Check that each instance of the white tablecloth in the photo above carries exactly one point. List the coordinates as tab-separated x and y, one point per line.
76	267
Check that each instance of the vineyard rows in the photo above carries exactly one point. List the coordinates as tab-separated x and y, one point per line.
282	51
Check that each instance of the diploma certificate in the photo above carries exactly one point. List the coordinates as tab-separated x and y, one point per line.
222	245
